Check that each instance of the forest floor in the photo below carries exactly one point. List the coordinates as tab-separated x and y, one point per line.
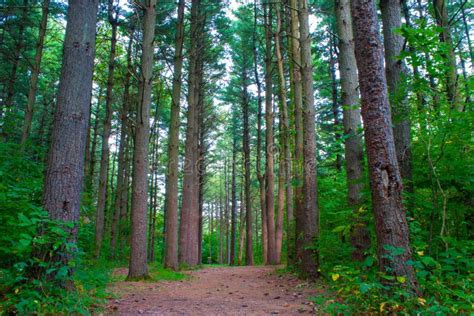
259	290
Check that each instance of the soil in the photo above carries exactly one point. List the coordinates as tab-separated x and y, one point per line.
216	291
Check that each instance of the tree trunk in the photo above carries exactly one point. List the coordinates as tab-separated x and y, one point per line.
297	94
310	252
171	230
35	71
284	183
92	153
442	20
354	152
395	72
234	204
269	198
65	167
123	147
261	178
246	147
393	246
335	101
189	225
104	161
138	268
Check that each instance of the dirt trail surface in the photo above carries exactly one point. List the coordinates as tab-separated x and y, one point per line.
216	291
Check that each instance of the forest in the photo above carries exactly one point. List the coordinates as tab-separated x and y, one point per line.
152	151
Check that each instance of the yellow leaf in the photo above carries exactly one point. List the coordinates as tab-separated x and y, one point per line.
420	253
401	279
335	276
382	307
16	291
421	300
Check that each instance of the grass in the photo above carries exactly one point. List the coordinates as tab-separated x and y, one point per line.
156	273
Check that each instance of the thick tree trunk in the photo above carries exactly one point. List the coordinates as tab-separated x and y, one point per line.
65	167
353	147
246	148
107	128
395	73
393	246
35	71
189	225
171	230
310	253
138	268
297	94
270	147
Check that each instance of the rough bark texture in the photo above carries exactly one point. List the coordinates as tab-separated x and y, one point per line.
138	268
260	176
354	152
386	186
107	128
270	146
35	71
171	221
395	73
189	225
310	253
65	167
297	93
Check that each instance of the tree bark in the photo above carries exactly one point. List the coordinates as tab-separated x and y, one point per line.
233	220
260	176
107	128
335	100
171	230
393	246
123	147
35	71
354	152
189	225
65	167
310	253
269	198
246	147
395	71
138	268
297	94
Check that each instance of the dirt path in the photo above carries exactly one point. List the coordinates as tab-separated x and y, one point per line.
216	291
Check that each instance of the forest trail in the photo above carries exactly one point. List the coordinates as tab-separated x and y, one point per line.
217	291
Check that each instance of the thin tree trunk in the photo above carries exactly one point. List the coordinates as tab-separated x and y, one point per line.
246	148
171	230
393	246
123	147
234	204
35	71
284	185
243	214
297	93
138	268
310	258
442	20
95	134
335	101
269	198
65	167
353	148
107	128
260	176
189	225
